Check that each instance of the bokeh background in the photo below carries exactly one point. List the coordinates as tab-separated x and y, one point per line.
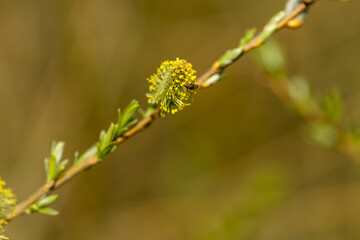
234	165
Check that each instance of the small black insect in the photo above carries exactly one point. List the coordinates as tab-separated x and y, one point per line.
191	86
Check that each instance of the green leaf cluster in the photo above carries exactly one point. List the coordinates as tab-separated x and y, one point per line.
41	206
55	166
107	139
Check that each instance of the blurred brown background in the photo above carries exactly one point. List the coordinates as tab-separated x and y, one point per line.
234	165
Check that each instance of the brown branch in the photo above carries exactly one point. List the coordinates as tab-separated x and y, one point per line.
256	42
93	160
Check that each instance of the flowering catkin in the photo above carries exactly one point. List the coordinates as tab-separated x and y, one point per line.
7	202
172	86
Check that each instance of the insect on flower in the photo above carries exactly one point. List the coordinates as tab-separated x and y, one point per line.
191	86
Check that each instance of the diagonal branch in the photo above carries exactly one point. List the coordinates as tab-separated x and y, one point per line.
145	122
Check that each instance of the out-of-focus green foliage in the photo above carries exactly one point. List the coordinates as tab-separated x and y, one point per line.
271	59
264	188
324	118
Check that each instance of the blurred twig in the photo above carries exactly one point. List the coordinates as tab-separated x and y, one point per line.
324	118
146	121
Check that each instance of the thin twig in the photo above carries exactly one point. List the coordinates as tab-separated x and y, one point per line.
280	87
92	160
256	42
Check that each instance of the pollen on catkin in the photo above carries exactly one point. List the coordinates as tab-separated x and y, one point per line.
169	87
7	202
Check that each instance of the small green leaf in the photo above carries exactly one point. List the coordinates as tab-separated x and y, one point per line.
57	150
324	134
214	78
132	122
107	150
126	119
50	164
61	167
40	206
110	134
248	37
230	56
150	110
46	201
277	17
332	106
299	90
122	130
88	153
128	114
48	211
271	27
31	209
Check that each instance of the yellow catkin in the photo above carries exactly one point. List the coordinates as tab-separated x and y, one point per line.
172	87
7	202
